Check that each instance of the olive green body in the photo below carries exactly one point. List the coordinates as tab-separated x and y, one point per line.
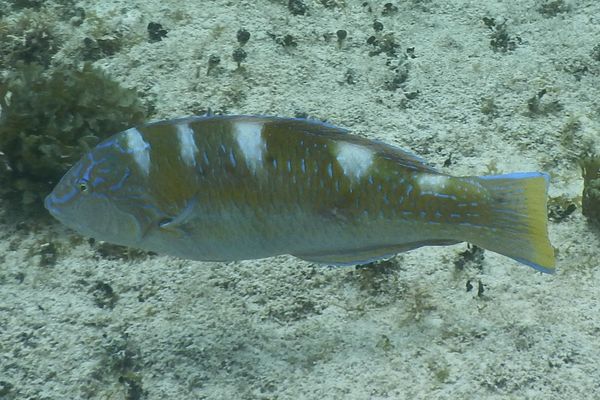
243	187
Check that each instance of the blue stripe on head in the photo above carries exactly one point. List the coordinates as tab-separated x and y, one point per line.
109	143
92	165
76	169
88	171
119	184
62	199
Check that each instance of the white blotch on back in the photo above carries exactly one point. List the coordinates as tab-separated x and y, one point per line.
354	159
187	144
432	183
248	136
139	149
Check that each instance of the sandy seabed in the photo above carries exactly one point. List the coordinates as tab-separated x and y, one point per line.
102	325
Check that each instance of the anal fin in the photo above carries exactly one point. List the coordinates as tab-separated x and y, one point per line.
367	254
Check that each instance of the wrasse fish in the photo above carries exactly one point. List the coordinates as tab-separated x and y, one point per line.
224	188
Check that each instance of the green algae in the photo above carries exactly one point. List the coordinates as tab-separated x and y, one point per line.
49	119
591	188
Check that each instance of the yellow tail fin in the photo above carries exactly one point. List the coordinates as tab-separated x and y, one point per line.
519	217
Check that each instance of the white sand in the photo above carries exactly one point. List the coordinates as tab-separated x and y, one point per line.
281	328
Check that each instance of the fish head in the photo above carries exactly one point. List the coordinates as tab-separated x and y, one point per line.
99	196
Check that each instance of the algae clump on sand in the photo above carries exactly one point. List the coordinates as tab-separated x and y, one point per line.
48	120
591	188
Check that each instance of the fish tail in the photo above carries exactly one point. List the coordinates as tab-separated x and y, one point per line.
519	219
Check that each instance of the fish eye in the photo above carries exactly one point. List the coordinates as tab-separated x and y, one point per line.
83	186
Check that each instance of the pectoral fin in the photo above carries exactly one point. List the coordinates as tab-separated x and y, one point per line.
175	224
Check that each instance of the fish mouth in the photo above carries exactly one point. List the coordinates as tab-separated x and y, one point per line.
49	204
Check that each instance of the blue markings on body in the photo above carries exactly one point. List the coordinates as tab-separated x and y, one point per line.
508	212
302	164
232	158
444	196
330	170
517	175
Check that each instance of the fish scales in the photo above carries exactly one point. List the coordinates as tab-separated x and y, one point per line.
225	188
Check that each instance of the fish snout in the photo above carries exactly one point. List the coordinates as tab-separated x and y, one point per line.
50	205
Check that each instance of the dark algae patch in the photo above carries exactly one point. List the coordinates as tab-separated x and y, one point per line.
560	208
500	39
50	118
591	188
